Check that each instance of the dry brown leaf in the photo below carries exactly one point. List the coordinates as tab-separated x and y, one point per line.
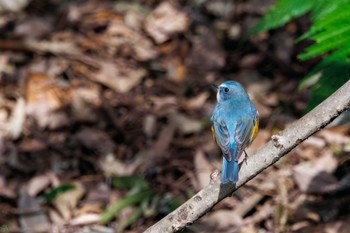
37	184
333	137
203	169
149	125
4	117
67	202
223	219
312	177
184	124
44	99
54	47
112	166
250	60
249	228
95	140
261	138
314	142
163	141
249	203
196	102
82	111
124	40
165	21
12	5
86	97
175	68
164	105
119	76
91	207
16	120
206	54
5	190
86	219
31	145
56	218
33	28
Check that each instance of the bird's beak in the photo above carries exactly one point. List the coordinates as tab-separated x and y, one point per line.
214	85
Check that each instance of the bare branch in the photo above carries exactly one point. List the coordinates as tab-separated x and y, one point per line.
276	148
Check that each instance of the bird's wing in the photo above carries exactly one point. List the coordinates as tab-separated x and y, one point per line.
243	134
222	138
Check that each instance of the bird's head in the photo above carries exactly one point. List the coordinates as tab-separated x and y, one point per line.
230	90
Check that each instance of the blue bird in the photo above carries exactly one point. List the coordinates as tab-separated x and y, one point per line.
235	125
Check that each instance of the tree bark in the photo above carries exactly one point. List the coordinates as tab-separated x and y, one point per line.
275	149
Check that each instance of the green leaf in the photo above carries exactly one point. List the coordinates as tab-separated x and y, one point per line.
130	200
334	31
333	76
129	182
326	46
50	196
330	32
282	12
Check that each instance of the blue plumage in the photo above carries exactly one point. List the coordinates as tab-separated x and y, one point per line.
229	171
235	123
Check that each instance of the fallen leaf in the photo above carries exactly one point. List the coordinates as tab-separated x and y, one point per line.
312	177
86	219
54	47
4	118
112	166
31	145
12	5
176	69
163	106
82	110
196	102
163	141
95	140
184	124
165	21
33	28
37	184
222	9
44	100
249	203
334	137
149	125
250	60
206	54
203	169
5	190
67	202
223	219
261	138
16	120
119	76
127	41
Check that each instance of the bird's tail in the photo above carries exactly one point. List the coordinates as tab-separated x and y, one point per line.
229	171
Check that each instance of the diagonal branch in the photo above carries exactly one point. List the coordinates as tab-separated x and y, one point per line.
276	148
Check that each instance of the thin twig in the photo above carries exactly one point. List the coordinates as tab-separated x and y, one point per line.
276	148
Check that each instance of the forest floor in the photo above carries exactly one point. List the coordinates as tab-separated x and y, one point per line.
105	118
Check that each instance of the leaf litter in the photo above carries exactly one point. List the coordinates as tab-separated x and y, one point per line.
105	119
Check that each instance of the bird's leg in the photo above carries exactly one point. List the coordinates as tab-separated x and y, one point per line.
245	157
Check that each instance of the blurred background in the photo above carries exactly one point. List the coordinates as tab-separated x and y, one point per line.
105	112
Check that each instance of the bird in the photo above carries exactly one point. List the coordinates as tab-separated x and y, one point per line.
235	124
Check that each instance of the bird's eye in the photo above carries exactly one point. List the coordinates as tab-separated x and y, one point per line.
226	89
